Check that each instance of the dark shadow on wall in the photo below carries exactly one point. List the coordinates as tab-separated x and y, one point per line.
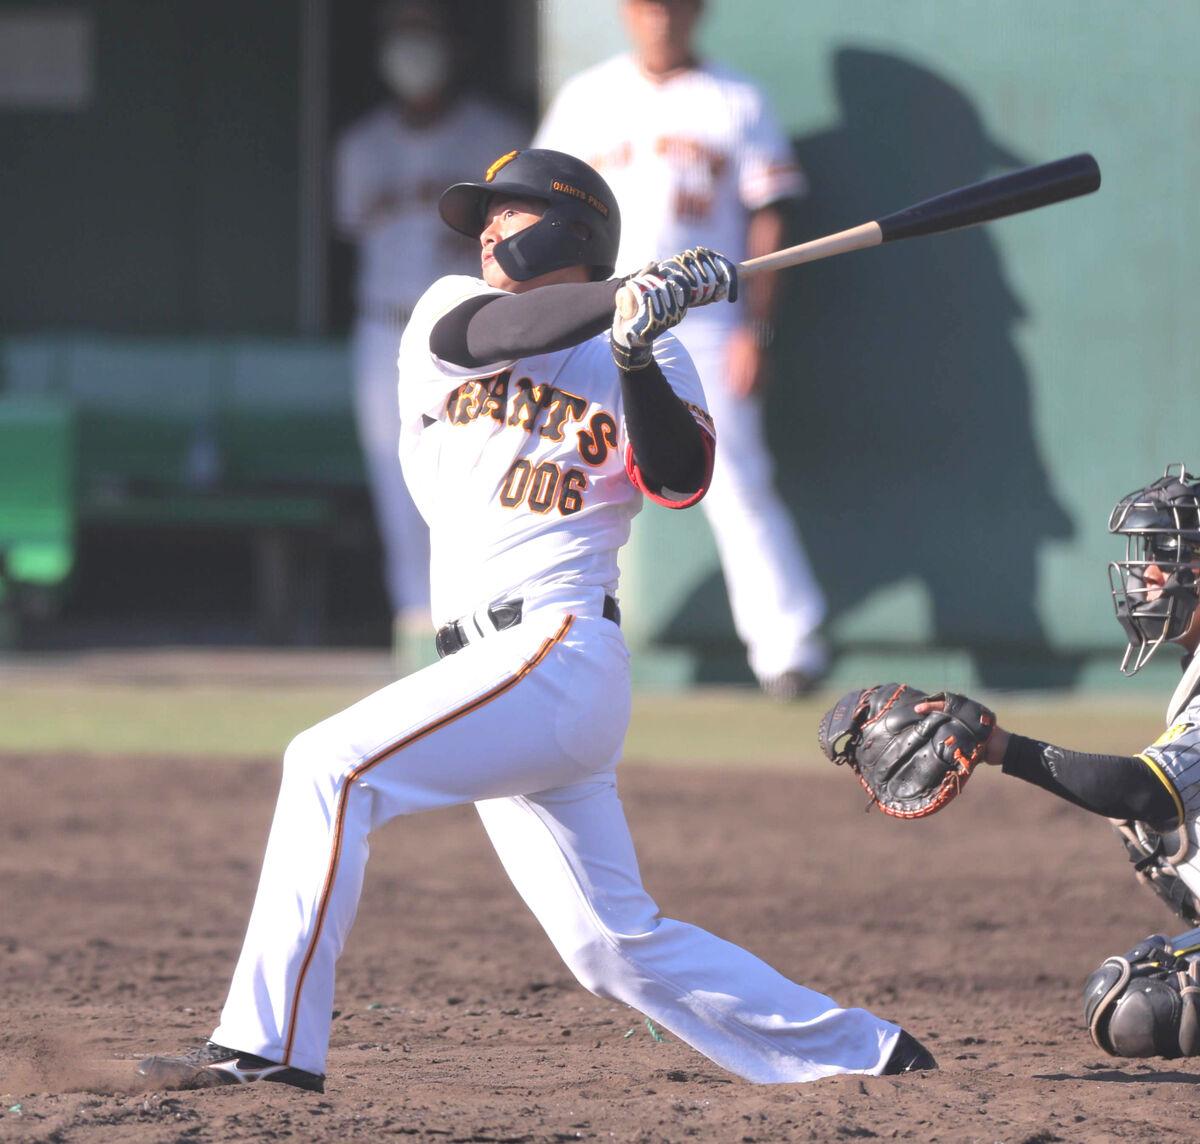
900	413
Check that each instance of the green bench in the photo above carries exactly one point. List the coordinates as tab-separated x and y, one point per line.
37	506
240	439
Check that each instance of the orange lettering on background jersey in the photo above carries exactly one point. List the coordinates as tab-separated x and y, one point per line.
619	156
693	207
691	152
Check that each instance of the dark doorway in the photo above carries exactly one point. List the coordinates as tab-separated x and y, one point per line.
499	60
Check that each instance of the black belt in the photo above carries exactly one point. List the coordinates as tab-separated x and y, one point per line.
507	614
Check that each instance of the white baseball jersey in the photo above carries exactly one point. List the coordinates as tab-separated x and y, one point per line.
525	473
688	156
406	247
523	469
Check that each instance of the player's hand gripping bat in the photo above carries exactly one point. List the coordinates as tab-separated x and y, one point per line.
1010	194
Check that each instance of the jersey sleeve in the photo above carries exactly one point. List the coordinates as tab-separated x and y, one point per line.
425	379
683	379
1175	757
767	167
352	182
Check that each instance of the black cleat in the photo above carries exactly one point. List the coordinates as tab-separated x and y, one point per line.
908	1055
789	686
212	1065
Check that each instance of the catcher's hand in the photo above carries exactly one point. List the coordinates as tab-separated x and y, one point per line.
910	764
660	301
707	275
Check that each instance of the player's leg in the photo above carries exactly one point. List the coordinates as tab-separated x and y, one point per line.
498	718
774	596
402	531
569	854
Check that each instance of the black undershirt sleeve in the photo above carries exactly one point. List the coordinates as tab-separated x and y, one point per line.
668	444
1116	786
504	327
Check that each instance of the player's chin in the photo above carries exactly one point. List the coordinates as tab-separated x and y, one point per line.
495	277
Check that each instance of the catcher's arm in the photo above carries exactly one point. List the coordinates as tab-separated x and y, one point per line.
1114	786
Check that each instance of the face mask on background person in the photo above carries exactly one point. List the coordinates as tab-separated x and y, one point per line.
416	64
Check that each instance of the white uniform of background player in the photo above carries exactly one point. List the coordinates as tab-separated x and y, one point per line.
390	168
691	155
526	474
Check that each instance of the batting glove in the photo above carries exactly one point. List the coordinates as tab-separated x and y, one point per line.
661	303
708	276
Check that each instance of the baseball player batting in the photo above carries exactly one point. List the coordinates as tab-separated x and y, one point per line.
913	752
534	421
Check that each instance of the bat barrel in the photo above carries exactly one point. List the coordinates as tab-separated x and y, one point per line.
1006	195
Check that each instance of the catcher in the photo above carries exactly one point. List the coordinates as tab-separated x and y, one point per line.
913	752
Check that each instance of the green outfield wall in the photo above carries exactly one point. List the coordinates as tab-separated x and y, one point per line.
954	417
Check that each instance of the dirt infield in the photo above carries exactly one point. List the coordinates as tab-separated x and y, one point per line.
126	886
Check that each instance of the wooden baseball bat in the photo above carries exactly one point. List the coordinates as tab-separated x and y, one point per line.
1014	193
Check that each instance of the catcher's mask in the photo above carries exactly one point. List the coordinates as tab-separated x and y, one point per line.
581	225
1161	526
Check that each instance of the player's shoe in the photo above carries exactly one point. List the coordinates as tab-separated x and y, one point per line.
788	686
908	1055
803	677
212	1065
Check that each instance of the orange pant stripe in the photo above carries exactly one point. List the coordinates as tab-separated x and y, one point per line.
374	761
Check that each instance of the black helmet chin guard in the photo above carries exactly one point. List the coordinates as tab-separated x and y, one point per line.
581	225
1161	526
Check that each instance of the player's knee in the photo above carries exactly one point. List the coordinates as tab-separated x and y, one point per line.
1145	1004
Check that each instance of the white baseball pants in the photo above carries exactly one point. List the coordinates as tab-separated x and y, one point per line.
528	723
403	532
774	596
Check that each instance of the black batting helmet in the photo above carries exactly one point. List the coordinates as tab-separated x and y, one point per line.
1161	526
580	227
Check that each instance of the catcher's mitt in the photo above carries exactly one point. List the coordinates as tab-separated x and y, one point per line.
910	764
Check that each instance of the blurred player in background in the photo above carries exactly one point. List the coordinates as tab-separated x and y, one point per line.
697	158
391	166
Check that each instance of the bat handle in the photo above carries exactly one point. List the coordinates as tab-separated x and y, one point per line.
627	301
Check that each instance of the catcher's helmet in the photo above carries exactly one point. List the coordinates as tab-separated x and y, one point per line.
574	194
1161	526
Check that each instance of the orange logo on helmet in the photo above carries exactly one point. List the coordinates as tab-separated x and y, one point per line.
502	161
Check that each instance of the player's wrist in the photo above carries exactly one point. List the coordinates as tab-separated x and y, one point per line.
996	747
630	357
